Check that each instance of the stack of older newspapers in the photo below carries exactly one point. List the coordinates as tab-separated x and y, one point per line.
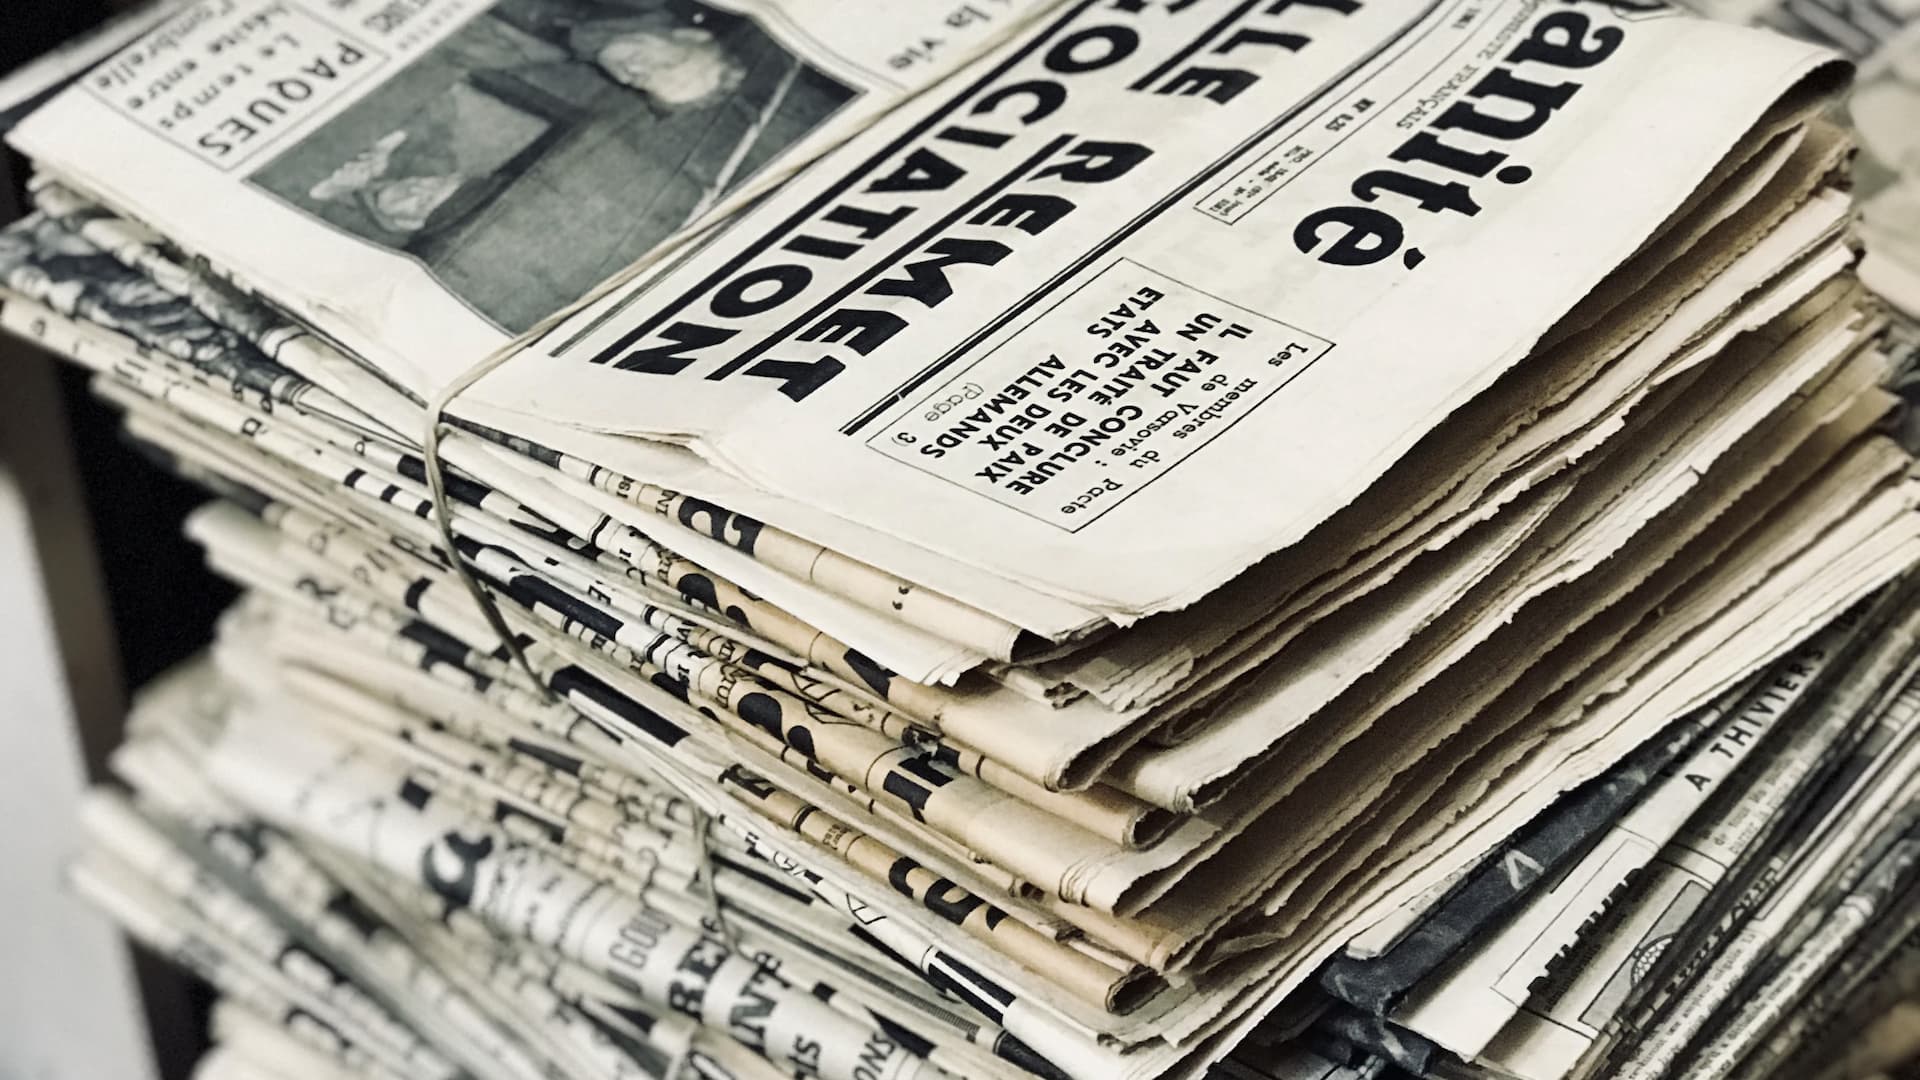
1106	539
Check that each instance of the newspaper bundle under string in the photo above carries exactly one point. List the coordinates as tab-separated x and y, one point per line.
752	563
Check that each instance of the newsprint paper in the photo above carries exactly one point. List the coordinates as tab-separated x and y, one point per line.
1076	538
997	323
436	175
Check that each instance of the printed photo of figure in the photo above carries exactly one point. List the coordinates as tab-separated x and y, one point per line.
546	144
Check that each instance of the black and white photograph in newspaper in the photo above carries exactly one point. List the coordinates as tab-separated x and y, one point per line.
547	144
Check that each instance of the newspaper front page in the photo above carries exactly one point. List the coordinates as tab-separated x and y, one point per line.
1001	322
1130	235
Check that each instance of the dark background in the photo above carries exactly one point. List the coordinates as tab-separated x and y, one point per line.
162	600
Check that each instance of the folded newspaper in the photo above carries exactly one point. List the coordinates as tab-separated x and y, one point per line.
1102	539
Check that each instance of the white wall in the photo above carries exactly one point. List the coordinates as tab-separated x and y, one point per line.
69	1007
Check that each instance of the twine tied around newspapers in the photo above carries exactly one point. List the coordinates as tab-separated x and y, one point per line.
436	409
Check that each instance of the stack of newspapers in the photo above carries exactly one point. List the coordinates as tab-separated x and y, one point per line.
1104	539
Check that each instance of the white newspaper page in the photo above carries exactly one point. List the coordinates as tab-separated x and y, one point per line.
425	179
1147	294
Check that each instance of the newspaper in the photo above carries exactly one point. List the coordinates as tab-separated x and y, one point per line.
159	765
1043	153
76	280
396	587
1815	847
116	828
1529	858
1316	800
304	781
1290	1062
569	1036
1487	554
1034	845
1464	1007
1417	880
164	926
250	1043
1358	854
1790	1002
1580	1009
994	993
1586	391
335	917
426	143
568	498
1673	679
896	776
945	905
1212	538
549	77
